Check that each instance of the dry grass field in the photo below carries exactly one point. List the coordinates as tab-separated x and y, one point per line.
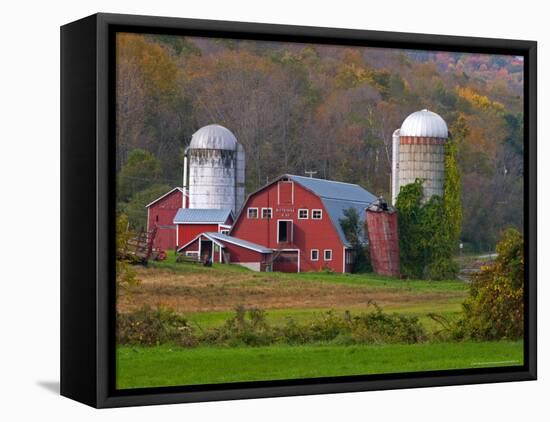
208	296
218	291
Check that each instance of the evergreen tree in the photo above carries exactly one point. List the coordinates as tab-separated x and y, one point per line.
353	228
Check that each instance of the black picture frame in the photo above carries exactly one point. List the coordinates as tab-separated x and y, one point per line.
87	210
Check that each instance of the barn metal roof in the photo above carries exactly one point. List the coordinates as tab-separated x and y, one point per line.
338	197
335	209
424	123
331	189
239	242
202	215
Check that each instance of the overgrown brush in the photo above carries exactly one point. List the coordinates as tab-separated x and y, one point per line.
381	327
249	327
495	307
150	327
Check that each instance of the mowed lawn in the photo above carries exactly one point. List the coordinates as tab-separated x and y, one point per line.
169	366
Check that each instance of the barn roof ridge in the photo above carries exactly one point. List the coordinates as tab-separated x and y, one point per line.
166	194
325	189
319	178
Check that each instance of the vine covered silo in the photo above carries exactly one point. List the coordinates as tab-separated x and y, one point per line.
419	148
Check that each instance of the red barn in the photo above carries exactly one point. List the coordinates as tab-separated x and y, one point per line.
161	213
298	218
191	222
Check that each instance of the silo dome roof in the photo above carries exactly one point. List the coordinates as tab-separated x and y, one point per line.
213	137
424	123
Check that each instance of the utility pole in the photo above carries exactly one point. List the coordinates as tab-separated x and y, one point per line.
310	173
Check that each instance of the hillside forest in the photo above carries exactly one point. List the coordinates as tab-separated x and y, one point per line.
330	109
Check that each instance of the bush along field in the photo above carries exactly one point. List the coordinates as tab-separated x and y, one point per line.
186	324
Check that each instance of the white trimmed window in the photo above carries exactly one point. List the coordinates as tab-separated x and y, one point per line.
328	254
303	214
316	214
267	212
224	231
252	213
315	254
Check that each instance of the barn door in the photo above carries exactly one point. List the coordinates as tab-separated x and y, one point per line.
285	192
284	231
286	261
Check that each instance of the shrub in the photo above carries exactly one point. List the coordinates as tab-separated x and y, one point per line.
380	327
326	328
442	268
125	275
365	328
149	327
247	327
292	333
494	309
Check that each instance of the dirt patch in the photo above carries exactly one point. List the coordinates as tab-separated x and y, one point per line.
194	292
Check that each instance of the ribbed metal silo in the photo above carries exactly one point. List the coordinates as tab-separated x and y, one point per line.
420	146
214	169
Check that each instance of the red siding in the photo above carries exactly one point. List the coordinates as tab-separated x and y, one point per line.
192	247
187	232
307	234
239	254
161	214
383	242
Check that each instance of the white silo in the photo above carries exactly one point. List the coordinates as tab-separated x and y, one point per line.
419	153
214	169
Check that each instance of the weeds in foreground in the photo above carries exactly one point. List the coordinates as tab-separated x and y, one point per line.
249	327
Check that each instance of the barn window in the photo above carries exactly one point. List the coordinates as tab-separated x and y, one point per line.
224	231
316	214
328	254
267	212
284	231
157	218
253	213
303	214
315	254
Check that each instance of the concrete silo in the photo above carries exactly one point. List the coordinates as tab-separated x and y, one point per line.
214	169
419	153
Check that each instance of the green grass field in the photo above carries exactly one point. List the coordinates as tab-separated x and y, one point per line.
207	297
168	366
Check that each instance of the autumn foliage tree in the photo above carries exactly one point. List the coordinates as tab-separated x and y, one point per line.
495	307
330	109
